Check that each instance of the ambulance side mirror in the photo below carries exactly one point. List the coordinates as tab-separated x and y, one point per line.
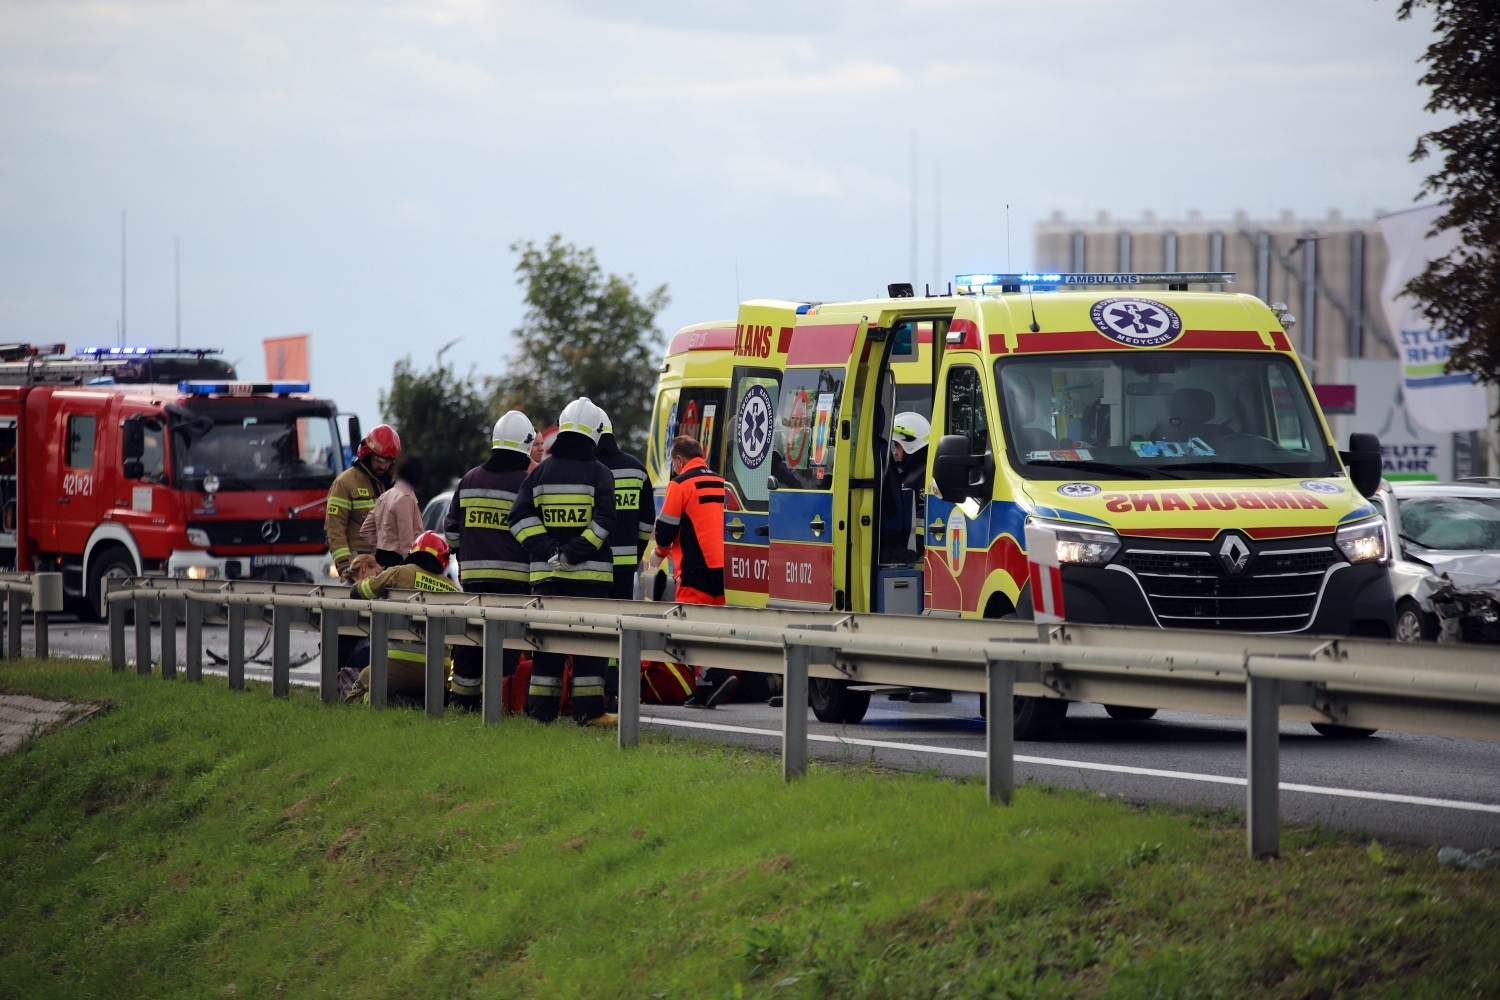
132	446
951	465
1363	460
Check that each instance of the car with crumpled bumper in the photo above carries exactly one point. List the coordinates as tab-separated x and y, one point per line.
1445	560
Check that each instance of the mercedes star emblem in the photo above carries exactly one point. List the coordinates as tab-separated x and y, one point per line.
1234	554
270	532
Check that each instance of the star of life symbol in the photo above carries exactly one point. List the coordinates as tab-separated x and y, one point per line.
1136	322
753	434
1078	490
1234	554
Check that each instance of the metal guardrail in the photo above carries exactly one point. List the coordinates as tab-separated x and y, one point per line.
1375	684
43	594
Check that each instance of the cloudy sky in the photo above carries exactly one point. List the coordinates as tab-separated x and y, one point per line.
360	170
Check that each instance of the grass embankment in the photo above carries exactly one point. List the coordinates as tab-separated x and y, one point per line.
194	842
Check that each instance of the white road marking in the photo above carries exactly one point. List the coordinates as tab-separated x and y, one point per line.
1153	772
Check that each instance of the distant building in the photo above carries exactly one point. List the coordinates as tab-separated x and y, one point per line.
1328	271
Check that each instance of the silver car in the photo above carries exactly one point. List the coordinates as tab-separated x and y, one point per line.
1445	565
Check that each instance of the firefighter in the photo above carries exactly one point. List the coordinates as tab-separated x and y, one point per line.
490	560
352	496
563	515
633	506
406	662
690	528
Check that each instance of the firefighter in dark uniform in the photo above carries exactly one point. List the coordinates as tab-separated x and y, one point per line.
634	507
490	560
564	514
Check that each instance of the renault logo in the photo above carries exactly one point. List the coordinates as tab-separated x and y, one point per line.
270	532
1234	554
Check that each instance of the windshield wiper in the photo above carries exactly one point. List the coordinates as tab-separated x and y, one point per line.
1088	465
1263	471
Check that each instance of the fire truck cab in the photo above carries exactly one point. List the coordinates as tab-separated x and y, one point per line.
107	469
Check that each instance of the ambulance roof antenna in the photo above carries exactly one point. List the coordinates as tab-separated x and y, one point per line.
1007	238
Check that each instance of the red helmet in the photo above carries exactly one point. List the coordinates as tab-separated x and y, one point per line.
434	545
382	442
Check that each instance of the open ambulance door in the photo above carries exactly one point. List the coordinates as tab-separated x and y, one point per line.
810	469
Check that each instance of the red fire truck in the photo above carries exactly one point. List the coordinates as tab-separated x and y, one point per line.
126	461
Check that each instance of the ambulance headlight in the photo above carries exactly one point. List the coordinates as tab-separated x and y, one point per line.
1079	546
1363	542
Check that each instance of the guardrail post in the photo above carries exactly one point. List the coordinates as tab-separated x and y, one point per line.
1263	759
143	635
630	687
999	731
433	693
794	712
46	597
281	650
168	639
14	601
193	613
116	633
328	656
380	645
236	647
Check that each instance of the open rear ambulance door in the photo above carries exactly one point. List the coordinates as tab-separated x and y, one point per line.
810	464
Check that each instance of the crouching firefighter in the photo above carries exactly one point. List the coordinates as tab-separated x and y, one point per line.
490	560
563	515
406	662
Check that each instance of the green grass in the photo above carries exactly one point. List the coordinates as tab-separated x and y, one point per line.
194	842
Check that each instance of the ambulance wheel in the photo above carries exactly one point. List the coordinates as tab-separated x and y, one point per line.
1129	713
832	701
113	563
1338	732
1038	718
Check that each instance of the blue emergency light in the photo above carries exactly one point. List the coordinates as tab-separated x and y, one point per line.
143	352
242	388
975	284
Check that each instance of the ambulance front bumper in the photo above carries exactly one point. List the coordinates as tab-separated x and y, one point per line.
1349	600
196	564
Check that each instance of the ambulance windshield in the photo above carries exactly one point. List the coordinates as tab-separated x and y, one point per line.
1160	414
248	447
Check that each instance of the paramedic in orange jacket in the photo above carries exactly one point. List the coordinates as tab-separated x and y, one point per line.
690	529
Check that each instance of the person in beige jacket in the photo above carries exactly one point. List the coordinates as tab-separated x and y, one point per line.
396	521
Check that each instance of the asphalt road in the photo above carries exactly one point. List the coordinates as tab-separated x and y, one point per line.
1422	789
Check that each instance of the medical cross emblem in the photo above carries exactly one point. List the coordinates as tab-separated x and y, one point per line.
1136	322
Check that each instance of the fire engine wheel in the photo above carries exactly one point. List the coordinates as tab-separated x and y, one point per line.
113	563
832	701
1130	713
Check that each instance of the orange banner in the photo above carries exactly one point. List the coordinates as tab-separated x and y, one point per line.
286	358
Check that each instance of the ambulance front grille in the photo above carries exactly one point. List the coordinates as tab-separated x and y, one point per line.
1189	588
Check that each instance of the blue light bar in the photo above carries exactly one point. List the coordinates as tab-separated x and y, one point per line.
241	388
142	352
972	284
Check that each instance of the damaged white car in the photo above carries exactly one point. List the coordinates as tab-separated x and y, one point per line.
1445	567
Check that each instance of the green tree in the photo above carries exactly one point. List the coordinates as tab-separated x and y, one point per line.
584	334
1460	292
440	416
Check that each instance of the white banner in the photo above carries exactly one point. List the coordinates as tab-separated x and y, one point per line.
1436	399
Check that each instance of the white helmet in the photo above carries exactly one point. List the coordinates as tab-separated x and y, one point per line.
911	431
605	427
513	432
582	417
